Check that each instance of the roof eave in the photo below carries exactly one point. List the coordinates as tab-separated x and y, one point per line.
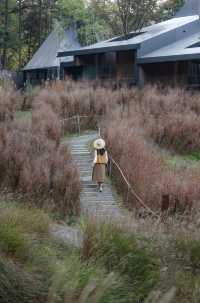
171	58
67	64
39	68
98	50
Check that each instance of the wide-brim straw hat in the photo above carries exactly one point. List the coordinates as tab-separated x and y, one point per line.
99	144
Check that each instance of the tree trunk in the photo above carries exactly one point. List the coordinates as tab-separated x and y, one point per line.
20	34
124	7
40	23
5	36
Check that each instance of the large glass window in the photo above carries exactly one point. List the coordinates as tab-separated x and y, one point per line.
107	65
194	73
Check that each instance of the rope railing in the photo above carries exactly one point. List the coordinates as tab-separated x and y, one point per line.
130	188
77	119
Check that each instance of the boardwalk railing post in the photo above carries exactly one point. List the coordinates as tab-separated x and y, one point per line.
127	196
110	168
63	127
78	124
165	203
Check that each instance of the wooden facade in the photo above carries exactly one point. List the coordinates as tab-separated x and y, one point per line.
119	66
38	76
177	73
194	73
126	65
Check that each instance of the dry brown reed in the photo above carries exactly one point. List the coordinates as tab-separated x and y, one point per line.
146	169
142	128
170	117
33	161
9	101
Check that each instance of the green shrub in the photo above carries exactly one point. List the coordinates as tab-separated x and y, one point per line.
120	252
195	255
188	288
17	229
25	239
195	156
70	279
13	242
88	282
29	220
17	286
189	251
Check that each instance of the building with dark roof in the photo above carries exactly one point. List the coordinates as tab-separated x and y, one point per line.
45	65
190	8
165	52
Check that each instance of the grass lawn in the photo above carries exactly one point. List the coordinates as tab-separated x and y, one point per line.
68	137
192	159
23	114
113	266
194	156
37	268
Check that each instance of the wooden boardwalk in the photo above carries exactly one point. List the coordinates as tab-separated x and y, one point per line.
101	206
93	203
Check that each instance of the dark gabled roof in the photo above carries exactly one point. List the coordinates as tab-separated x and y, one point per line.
100	49
146	34
184	48
177	51
46	55
190	7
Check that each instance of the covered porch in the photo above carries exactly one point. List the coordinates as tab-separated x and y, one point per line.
38	76
116	66
175	73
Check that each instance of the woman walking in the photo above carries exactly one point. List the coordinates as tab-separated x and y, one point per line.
99	163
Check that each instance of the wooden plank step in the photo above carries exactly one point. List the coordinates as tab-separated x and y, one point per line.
92	201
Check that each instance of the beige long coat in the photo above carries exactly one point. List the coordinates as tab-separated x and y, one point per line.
99	168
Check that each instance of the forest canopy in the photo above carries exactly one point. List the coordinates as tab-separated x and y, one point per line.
25	24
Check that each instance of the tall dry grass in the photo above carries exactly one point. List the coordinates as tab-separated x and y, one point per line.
34	162
146	168
9	102
142	128
170	117
71	98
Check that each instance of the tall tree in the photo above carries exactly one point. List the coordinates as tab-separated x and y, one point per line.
134	14
80	13
7	30
20	16
167	9
123	16
5	34
25	24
